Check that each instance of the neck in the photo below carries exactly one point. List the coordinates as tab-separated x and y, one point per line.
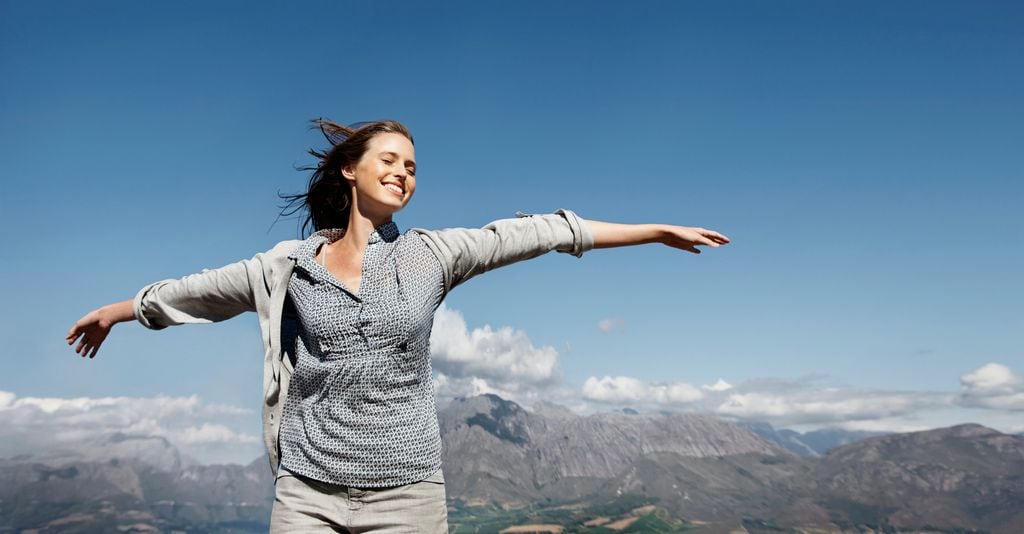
360	226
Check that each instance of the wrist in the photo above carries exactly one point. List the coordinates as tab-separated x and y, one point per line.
660	233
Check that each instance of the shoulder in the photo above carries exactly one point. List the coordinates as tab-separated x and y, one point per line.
274	263
279	254
416	236
418	239
283	248
427	242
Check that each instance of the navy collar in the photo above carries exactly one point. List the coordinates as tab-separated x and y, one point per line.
387	232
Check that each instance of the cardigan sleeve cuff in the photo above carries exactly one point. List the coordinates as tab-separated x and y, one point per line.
582	237
138	304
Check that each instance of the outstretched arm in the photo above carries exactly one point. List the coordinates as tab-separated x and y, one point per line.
468	252
209	296
608	235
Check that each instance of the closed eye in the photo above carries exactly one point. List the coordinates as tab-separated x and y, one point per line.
389	158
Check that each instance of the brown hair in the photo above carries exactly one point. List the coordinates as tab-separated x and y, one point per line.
328	198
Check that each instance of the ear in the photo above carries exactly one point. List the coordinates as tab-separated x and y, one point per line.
347	173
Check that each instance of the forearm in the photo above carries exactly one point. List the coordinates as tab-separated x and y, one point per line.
118	312
608	235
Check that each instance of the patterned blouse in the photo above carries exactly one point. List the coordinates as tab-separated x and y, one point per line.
360	409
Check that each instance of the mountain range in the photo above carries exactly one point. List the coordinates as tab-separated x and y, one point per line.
551	470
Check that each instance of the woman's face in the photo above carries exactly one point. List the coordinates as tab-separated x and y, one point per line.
386	174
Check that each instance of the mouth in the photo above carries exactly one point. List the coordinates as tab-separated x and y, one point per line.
395	188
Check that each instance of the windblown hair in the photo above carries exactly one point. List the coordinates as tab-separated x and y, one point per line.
328	198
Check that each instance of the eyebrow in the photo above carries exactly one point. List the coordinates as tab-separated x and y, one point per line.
396	156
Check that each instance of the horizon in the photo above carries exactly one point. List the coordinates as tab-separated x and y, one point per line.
45	451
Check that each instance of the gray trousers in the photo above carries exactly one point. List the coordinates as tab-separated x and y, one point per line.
305	505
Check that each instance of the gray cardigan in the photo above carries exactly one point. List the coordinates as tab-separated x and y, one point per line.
260	284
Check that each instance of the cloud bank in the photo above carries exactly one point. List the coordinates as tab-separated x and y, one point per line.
204	431
809	403
505	362
624	389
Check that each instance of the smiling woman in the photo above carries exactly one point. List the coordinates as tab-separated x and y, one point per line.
349	415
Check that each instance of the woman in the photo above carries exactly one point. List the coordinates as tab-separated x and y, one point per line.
349	418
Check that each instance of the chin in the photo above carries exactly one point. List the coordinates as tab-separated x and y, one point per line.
399	207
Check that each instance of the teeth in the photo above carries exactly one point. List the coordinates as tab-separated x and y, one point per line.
395	188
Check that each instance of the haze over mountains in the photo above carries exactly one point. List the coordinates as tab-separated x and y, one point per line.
505	466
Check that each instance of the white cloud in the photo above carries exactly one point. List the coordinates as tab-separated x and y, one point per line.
6	399
447	387
992	385
624	389
503	356
201	430
721	385
213	433
830	405
781	402
809	402
991	377
607	325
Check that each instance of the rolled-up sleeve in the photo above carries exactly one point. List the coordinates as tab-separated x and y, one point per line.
467	252
209	296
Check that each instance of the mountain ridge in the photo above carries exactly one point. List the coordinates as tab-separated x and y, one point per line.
508	464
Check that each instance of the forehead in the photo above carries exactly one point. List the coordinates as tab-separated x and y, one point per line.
392	142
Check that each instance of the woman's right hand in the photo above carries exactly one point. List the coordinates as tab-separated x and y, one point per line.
95	325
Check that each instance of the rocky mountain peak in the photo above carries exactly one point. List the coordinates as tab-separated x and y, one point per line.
553	411
154	452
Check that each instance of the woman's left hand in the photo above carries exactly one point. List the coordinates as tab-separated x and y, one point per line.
689	238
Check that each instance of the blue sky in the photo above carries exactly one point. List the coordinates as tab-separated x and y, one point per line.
865	158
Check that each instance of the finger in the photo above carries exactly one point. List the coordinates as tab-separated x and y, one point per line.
710	233
95	349
693	250
716	236
82	344
73	334
705	241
